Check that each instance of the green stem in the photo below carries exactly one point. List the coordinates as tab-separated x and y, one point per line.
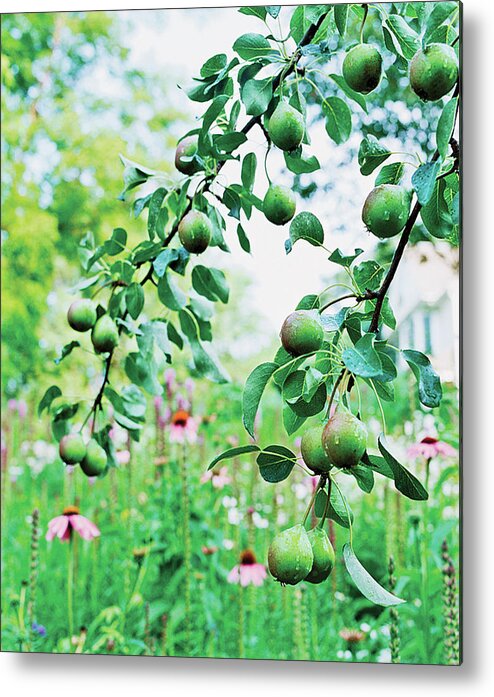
70	589
187	550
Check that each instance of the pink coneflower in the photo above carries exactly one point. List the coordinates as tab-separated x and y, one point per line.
351	636
63	525
430	447
248	571
218	478
183	428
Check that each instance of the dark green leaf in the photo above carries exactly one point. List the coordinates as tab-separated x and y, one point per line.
155	204
66	350
253	390
338	119
256	95
258	11
371	154
407	38
405	481
351	94
340	17
299	164
243	239
363	359
368	275
293	389
435	214
234	452
134	299
424	179
368	586
338	258
252	46
429	383
303	18
116	243
211	283
273	10
214	65
275	463
391	174
170	294
305	226
204	362
338	511
249	166
445	127
50	395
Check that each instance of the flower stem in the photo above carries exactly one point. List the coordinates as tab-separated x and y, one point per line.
187	550
70	589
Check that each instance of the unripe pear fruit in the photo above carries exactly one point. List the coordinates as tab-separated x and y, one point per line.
72	449
433	71
195	231
362	68
290	556
186	150
95	459
323	553
82	315
344	439
104	335
279	204
313	453
302	332
286	127
386	209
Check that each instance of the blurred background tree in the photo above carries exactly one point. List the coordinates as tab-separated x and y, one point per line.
70	103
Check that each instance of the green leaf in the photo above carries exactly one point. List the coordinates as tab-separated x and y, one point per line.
445	127
364	477
50	395
430	391
243	239
305	226
116	243
303	18
66	350
204	363
211	283
340	17
249	165
424	179
252	46
258	11
143	371
155	204
253	390
440	13
351	94
256	95
214	65
407	38
368	275
291	421
378	464
275	463
234	452
339	512
338	119
134	299
363	359
368	586
228	142
391	174
293	390
405	481
300	164
435	214
371	154
212	112
338	258
170	294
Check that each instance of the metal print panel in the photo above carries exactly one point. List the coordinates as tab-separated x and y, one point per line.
230	311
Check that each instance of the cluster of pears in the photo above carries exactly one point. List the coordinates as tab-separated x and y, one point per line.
433	70
296	555
90	456
286	129
82	316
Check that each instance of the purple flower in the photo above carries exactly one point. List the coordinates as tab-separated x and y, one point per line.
430	447
39	629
